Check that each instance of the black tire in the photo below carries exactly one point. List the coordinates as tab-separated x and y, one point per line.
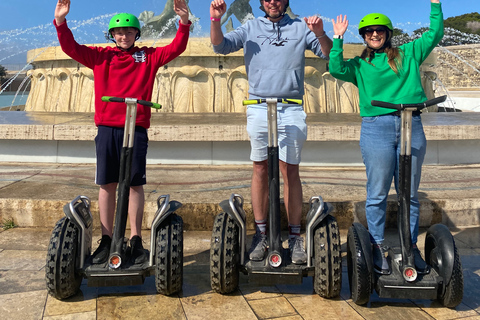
359	278
327	281
224	255
169	256
61	274
452	293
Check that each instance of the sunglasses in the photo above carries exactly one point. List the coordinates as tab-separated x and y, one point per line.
271	0
380	31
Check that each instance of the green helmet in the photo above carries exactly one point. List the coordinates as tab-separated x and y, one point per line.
374	19
124	20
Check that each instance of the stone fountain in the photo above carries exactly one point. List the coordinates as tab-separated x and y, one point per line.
199	81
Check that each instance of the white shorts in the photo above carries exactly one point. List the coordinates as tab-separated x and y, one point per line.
292	132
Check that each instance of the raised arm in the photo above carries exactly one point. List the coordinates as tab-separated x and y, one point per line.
180	7
61	11
217	10
315	24
340	25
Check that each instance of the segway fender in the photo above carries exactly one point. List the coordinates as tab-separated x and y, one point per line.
364	238
165	209
444	241
78	212
234	208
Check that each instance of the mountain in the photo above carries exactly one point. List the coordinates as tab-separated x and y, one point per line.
467	23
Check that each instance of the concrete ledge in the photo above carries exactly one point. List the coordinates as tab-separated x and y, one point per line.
453	138
19	125
200	216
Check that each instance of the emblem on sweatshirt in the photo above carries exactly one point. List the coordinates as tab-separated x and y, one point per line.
139	56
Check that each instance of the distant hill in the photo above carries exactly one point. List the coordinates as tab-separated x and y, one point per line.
464	29
467	23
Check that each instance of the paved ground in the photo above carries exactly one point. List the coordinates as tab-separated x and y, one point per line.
23	294
32	195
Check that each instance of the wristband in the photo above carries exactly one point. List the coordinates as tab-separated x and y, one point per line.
323	35
214	19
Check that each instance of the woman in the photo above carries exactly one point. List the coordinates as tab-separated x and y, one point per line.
390	74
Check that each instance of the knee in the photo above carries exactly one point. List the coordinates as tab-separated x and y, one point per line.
290	172
260	168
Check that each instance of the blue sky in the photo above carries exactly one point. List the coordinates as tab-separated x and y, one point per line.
27	24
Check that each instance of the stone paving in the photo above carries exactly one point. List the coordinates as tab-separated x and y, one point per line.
23	294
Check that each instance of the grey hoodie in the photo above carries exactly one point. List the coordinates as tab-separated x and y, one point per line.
274	55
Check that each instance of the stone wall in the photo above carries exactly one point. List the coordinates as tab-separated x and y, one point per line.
457	66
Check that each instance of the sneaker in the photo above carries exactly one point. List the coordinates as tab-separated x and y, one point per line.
101	254
259	247
137	253
380	262
297	250
420	264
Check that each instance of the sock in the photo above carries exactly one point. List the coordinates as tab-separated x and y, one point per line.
293	231
261	226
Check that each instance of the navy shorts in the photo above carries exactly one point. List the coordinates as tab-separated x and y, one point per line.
108	146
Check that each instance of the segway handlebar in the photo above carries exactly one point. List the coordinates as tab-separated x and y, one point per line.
142	102
285	101
417	106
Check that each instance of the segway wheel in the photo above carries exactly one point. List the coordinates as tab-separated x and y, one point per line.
359	278
61	274
224	255
327	281
169	256
437	251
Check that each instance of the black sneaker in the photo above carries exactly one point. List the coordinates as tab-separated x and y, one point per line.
420	264
101	254
137	253
380	262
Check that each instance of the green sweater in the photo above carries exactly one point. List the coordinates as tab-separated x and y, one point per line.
377	81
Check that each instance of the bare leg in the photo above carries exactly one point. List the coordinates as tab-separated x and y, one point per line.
292	192
106	206
260	190
135	210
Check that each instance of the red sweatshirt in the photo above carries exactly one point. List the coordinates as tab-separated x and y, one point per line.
122	74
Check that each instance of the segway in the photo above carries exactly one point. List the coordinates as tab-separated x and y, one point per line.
443	281
69	252
228	249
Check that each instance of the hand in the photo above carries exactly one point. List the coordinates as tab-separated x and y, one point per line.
315	24
180	7
61	11
341	25
435	1
217	9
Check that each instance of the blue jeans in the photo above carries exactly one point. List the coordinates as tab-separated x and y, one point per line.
380	146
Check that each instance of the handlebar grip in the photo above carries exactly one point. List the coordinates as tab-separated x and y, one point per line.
281	100
142	102
149	104
112	99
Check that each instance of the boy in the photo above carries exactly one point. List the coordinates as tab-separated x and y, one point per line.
121	71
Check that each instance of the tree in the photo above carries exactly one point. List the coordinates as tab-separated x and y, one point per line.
3	73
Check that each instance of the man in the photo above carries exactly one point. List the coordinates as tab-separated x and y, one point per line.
121	71
274	51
